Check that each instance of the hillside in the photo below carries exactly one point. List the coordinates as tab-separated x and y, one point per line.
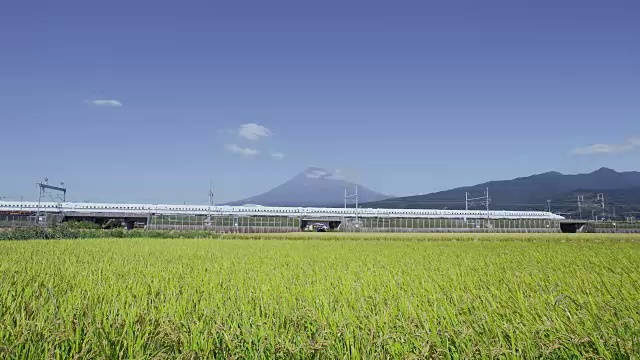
621	189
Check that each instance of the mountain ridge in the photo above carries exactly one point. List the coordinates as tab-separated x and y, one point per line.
532	192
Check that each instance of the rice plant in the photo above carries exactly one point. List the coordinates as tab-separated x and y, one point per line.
326	297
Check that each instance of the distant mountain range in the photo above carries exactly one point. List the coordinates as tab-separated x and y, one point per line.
621	192
312	187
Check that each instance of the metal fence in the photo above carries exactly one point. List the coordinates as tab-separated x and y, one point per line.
14	221
265	224
18	221
449	225
250	224
278	224
225	223
630	226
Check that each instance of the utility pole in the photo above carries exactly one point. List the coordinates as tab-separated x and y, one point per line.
601	198
210	200
356	201
466	201
45	185
549	205
357	222
210	193
466	204
487	201
580	200
42	187
345	198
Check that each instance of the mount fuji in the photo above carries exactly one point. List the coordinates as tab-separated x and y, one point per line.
313	187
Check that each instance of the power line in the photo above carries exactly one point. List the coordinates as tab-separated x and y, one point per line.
356	202
42	187
601	198
580	200
485	200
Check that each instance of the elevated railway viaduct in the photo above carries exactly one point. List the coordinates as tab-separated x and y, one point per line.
250	218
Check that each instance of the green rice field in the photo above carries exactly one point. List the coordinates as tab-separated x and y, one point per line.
322	296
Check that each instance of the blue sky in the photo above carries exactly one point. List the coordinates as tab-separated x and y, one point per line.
146	100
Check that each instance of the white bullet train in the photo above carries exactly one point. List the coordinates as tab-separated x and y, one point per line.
14	207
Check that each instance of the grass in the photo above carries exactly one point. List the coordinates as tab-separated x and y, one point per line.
366	296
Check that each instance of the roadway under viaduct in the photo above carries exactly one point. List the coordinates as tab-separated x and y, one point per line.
574	226
332	223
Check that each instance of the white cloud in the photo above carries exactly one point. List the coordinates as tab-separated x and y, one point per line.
628	145
316	173
602	149
635	141
277	155
253	131
111	103
233	148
